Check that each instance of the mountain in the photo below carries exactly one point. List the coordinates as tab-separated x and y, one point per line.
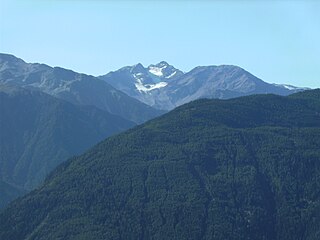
74	87
167	90
244	168
38	132
144	84
221	82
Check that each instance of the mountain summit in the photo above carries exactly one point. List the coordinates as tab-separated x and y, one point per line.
143	83
164	70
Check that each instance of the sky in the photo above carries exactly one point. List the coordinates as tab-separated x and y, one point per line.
277	41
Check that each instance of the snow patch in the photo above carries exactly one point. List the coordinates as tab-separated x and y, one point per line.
138	78
172	74
157	70
289	87
148	87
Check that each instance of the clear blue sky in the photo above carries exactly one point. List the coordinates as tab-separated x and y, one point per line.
278	41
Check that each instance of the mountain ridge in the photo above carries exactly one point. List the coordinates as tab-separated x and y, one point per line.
223	81
74	87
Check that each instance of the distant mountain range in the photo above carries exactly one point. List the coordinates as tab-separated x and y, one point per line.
160	86
243	168
38	132
49	114
74	87
164	87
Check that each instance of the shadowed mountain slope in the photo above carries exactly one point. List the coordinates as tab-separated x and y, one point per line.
39	131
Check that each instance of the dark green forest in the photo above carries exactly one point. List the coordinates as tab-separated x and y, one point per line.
245	168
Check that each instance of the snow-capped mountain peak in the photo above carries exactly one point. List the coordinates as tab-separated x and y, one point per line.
158	69
164	70
162	64
137	79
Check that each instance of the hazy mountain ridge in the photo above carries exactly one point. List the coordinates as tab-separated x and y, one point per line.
244	168
38	132
161	85
223	82
74	87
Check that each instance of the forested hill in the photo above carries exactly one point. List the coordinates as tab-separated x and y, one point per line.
245	168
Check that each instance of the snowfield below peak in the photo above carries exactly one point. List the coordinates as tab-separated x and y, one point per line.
172	74
157	71
148	87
